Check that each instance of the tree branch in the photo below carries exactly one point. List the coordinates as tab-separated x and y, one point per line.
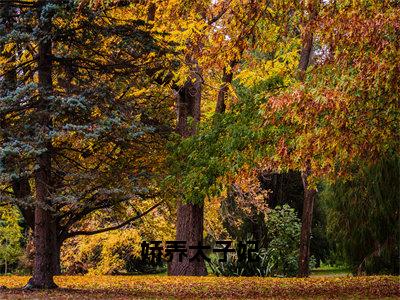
130	220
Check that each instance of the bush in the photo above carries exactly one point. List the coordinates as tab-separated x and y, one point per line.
278	258
283	233
106	253
10	238
118	251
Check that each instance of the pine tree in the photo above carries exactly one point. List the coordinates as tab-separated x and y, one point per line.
81	131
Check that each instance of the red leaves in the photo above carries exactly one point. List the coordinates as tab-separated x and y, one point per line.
347	108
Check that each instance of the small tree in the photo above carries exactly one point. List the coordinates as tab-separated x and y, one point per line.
10	236
277	257
283	232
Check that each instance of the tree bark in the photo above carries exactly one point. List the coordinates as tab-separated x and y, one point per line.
306	224
190	217
305	54
45	232
45	229
189	228
223	91
188	105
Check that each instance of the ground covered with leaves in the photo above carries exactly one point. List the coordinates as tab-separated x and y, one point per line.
156	287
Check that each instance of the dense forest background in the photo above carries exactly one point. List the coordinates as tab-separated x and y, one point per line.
123	121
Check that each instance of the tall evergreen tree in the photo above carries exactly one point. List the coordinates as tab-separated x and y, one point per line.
80	127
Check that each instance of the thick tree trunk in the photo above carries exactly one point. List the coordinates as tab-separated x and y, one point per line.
189	226
45	232
47	248
188	105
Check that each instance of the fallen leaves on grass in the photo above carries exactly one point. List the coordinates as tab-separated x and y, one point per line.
123	287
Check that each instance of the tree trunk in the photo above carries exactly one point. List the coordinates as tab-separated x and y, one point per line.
189	228
223	90
188	105
45	232
305	54
309	194
190	217
306	224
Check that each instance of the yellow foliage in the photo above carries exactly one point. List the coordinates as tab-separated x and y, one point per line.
213	219
108	252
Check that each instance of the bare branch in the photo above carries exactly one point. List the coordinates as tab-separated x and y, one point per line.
130	220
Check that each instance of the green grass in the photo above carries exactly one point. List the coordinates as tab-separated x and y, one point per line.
327	270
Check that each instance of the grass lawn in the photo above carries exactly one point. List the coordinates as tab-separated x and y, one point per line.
164	287
331	271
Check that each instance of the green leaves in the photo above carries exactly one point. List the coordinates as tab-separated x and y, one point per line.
10	236
362	216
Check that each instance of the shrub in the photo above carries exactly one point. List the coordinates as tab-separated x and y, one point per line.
106	253
278	258
10	238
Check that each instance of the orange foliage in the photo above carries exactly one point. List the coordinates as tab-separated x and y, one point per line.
126	287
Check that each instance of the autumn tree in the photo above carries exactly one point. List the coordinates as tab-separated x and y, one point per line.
211	36
310	11
220	36
334	118
307	121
